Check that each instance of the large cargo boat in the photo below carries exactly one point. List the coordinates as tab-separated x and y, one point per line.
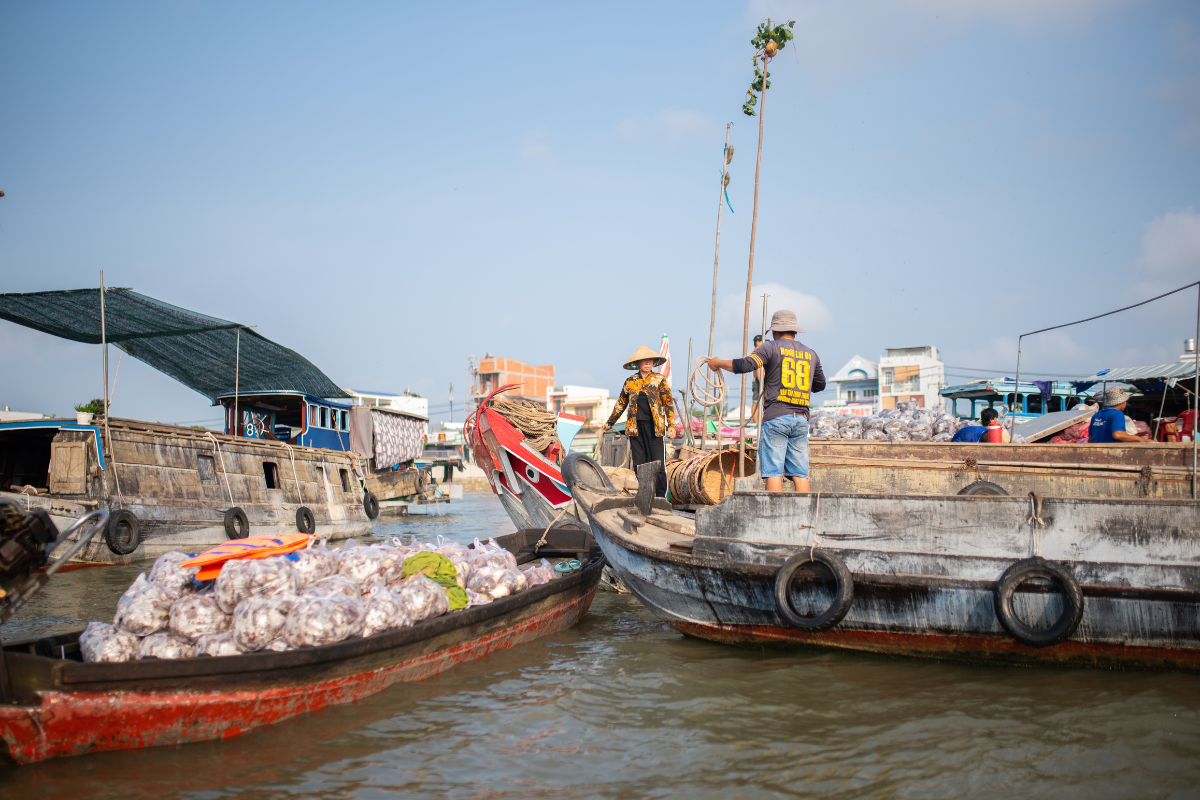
1026	580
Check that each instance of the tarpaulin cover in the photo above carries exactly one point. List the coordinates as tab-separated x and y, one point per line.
397	438
197	350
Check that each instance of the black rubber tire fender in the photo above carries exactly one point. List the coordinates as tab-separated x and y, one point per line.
236	524
580	469
371	505
843	593
982	489
1061	577
305	521
122	535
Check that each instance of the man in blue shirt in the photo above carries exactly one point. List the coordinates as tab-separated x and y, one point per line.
1108	424
975	433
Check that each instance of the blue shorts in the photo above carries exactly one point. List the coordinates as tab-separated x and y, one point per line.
783	447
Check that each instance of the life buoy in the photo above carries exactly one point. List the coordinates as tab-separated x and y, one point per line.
843	593
1061	577
121	535
236	524
305	521
371	505
211	560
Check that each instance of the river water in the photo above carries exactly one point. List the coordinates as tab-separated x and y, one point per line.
621	706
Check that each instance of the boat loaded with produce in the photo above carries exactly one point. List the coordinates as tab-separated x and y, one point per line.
262	629
290	457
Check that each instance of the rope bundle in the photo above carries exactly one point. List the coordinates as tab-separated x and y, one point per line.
539	426
713	391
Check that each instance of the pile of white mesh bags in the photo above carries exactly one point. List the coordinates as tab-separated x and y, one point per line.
312	597
907	422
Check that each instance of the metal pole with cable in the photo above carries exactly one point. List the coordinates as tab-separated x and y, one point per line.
726	157
1196	354
237	369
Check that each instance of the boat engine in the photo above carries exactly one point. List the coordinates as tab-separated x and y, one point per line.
23	539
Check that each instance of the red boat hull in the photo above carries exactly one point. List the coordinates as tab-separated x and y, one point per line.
71	723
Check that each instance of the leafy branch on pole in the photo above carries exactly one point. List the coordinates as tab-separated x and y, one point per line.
767	42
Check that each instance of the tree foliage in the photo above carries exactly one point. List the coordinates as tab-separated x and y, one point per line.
767	43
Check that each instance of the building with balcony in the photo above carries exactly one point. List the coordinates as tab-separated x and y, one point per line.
857	388
911	373
534	383
407	403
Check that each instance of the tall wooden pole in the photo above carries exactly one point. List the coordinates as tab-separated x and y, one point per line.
712	319
104	359
237	372
762	108
1196	389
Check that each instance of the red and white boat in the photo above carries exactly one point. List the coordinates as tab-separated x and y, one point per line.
528	484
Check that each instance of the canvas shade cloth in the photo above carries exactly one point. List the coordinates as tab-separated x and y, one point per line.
397	438
199	351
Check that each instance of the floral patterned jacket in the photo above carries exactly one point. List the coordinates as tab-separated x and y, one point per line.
662	407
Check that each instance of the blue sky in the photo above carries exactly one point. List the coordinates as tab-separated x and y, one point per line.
389	188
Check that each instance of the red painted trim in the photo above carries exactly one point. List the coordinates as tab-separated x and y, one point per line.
72	723
989	649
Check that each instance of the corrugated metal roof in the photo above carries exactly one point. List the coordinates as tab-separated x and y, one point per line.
1154	372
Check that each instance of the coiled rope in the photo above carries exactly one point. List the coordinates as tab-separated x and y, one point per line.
539	426
712	392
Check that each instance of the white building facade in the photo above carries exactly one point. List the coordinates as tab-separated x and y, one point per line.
911	373
857	388
405	403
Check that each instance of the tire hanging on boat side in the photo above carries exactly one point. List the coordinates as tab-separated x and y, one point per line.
305	521
843	594
1057	574
236	524
121	535
370	505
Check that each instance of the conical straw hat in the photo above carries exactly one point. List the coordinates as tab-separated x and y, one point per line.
644	352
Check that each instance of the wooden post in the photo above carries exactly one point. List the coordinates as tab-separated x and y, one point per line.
712	319
1196	388
762	107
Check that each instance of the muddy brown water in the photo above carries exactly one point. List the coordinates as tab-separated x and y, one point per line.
622	706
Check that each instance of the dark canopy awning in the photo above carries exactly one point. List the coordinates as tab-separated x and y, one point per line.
199	351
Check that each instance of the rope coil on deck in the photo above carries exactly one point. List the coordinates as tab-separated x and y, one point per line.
539	426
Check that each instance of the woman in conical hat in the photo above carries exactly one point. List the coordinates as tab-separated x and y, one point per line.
651	411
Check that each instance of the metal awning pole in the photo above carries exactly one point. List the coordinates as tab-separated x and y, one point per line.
1017	381
104	359
237	370
1196	355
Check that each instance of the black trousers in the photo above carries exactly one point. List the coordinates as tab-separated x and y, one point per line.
647	447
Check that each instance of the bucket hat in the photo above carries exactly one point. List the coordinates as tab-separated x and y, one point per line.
1114	396
644	352
784	321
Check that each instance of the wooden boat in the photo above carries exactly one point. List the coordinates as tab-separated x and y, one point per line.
65	707
529	485
174	488
1027	580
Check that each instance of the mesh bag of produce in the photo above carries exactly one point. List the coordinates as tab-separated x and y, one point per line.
453	550
361	564
898	436
477	599
919	435
316	621
167	573
850	433
943	425
314	563
280	645
217	644
195	615
166	645
850	421
334	584
540	573
233	584
384	611
462	571
497	582
895	426
875	435
423	598
259	620
873	423
101	641
145	608
942	437
392	564
274	575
